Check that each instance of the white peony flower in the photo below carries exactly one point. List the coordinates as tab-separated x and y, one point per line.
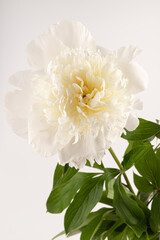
77	97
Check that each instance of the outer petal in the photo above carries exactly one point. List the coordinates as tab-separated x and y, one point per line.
59	37
21	79
41	135
87	147
39	57
132	122
51	46
127	54
137	77
35	56
73	34
138	104
18	103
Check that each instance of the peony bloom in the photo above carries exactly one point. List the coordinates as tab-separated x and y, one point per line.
77	97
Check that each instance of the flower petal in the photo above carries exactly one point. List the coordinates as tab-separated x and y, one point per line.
87	147
51	46
127	54
138	104
41	135
132	122
35	56
137	78
104	51
73	34
21	79
17	102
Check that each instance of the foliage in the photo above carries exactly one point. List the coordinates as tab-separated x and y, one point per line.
125	215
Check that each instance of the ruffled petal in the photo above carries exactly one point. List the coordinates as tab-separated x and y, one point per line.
73	34
58	38
104	52
132	122
87	147
18	102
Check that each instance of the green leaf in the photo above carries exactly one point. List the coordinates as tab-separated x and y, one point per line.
142	205
113	228
145	236
68	174
62	174
128	209
58	174
106	225
104	199
110	173
129	147
107	196
111	215
102	211
149	168
142	184
155	214
89	231
110	193
131	235
155	236
145	197
135	155
110	223
135	144
84	201
109	212
158	153
95	165
87	221
118	235
61	196
143	132
58	235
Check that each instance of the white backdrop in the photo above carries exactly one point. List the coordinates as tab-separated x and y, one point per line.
25	177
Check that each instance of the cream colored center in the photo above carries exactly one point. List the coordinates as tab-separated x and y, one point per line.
81	87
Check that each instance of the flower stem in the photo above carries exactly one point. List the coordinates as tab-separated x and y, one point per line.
121	168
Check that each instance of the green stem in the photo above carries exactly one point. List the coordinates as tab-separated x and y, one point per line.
147	236
121	168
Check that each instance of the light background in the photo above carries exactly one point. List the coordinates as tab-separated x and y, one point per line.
25	177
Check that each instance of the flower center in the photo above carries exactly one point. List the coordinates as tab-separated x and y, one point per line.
82	87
